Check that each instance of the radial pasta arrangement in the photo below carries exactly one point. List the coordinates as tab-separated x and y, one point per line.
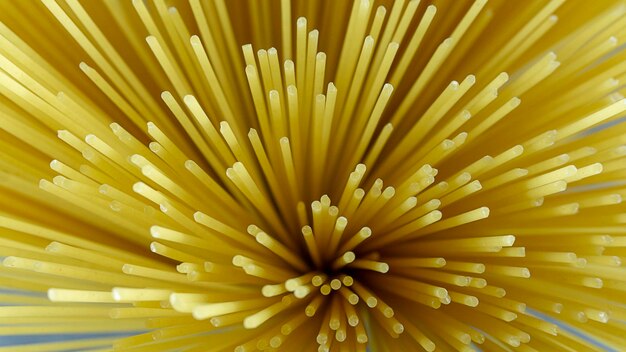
312	175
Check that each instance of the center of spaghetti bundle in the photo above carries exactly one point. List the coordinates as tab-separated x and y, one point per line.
333	267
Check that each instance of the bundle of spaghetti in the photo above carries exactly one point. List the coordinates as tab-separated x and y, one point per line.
313	175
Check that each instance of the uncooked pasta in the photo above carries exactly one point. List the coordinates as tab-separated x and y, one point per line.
291	175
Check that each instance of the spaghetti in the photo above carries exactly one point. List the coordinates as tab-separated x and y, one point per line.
387	175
